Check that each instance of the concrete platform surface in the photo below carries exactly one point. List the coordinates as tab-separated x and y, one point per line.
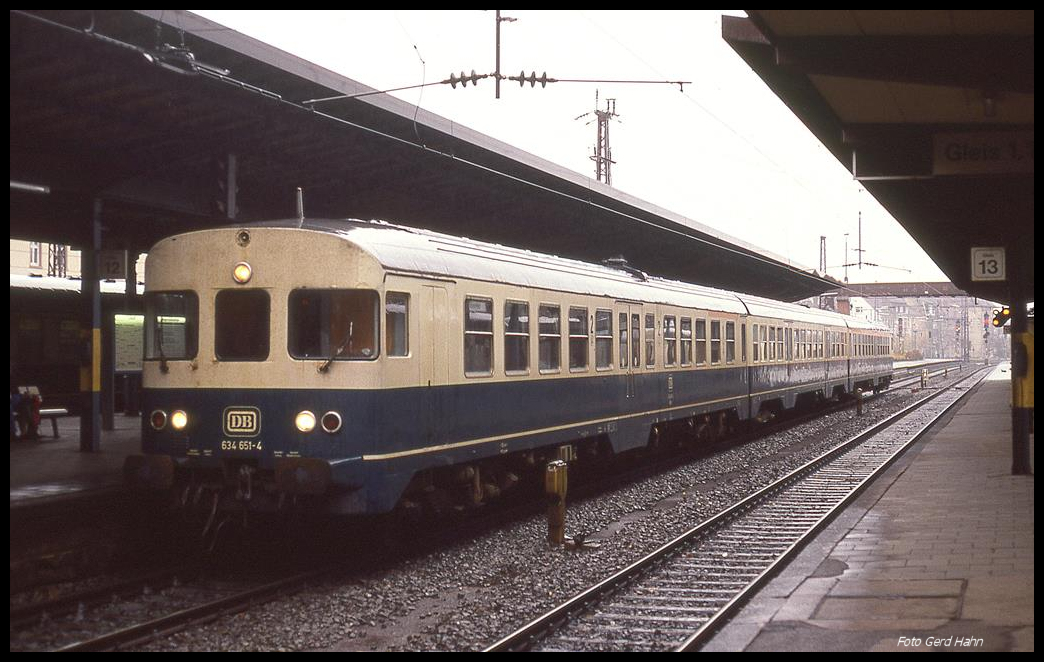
50	468
937	554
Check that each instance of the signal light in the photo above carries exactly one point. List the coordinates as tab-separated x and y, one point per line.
331	422
1000	317
158	419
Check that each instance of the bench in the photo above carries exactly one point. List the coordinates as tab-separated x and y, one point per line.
53	414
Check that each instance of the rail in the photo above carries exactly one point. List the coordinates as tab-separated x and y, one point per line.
630	611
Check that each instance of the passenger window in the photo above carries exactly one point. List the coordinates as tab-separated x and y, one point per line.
550	338
715	341
604	339
670	340
686	341
701	342
396	323
331	324
171	325
650	340
516	337
478	337
730	342
772	344
779	344
757	347
578	339
241	325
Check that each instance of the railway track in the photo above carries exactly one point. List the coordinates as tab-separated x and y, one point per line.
207	602
209	606
676	597
25	615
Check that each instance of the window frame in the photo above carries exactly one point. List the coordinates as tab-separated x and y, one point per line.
243	292
756	340
388	326
527	335
189	355
492	354
685	346
715	323
291	336
625	344
730	343
650	340
701	344
636	341
599	339
670	341
585	337
552	337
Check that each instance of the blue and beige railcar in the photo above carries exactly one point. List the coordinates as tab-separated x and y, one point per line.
370	366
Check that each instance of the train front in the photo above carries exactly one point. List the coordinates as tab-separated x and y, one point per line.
261	358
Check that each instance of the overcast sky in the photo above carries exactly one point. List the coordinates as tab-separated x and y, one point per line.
725	152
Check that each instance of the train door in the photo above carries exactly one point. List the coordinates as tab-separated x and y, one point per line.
435	334
631	359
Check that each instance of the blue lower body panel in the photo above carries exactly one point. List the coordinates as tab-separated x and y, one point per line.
387	435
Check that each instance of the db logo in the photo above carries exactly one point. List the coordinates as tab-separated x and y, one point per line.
242	421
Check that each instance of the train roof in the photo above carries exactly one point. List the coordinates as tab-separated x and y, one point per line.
418	251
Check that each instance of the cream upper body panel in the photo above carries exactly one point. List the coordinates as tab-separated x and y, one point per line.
281	260
376	256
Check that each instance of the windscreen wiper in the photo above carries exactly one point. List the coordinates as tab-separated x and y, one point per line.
347	343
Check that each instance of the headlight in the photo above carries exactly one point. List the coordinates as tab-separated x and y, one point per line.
305	421
241	273
178	420
158	419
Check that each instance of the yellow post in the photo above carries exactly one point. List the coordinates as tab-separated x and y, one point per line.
555	482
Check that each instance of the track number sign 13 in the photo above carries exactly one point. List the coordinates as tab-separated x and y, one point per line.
987	263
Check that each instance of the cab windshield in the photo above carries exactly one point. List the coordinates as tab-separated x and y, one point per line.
333	324
171	325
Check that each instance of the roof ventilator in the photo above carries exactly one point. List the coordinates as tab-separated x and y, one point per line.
620	262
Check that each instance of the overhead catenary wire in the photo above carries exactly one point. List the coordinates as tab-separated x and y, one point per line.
308	106
473	78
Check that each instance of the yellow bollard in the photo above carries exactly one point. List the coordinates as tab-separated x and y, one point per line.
555	483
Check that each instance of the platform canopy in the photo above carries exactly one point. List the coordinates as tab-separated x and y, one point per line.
175	122
932	110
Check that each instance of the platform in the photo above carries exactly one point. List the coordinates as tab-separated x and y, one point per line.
937	554
50	468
